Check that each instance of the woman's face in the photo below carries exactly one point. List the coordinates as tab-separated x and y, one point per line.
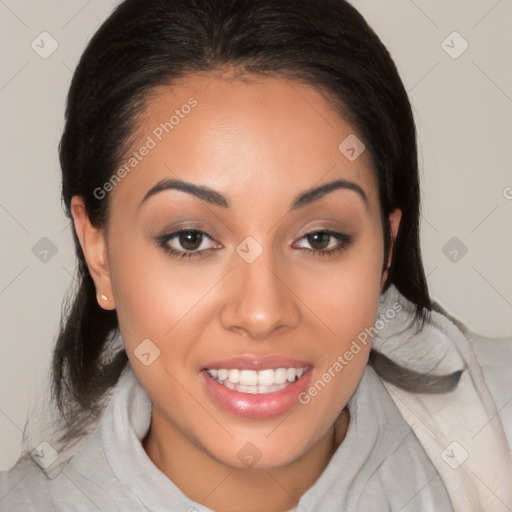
272	278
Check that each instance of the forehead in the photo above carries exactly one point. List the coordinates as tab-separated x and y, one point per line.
255	135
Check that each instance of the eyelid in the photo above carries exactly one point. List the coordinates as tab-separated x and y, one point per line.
190	225
163	243
344	241
176	232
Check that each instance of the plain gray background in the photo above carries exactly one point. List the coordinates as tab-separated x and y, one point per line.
463	108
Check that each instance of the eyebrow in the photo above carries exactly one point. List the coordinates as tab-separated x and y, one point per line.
204	193
313	194
216	198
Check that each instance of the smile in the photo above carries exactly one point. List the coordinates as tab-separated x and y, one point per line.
256	382
254	386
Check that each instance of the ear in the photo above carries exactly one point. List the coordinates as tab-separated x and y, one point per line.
394	223
94	246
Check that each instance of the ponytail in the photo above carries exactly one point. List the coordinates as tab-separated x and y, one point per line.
85	361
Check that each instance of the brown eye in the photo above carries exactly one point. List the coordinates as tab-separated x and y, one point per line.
319	240
187	243
190	240
324	243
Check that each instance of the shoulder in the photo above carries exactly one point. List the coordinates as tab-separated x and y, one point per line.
493	356
407	481
83	484
25	487
459	429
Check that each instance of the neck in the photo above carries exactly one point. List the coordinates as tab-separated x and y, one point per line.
226	489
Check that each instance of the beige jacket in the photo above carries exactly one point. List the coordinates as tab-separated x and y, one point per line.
461	431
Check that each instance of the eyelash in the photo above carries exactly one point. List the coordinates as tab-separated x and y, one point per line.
345	242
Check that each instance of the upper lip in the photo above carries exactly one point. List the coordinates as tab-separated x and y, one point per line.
255	362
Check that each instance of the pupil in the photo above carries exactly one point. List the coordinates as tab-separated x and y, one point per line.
319	240
190	240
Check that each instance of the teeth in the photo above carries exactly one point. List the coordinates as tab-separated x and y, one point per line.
247	389
222	374
266	377
234	376
280	376
251	381
248	377
229	384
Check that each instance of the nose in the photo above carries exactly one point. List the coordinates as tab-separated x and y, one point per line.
258	300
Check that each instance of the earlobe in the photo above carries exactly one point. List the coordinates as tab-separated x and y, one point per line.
93	243
394	224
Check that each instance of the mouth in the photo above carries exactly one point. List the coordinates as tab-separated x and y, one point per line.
256	388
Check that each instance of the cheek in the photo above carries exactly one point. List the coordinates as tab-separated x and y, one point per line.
153	292
163	302
347	305
345	295
348	310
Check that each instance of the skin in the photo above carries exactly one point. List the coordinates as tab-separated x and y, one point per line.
259	142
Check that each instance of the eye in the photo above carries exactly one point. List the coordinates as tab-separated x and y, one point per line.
186	243
326	242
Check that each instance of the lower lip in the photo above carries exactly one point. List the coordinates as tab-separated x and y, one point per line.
257	406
